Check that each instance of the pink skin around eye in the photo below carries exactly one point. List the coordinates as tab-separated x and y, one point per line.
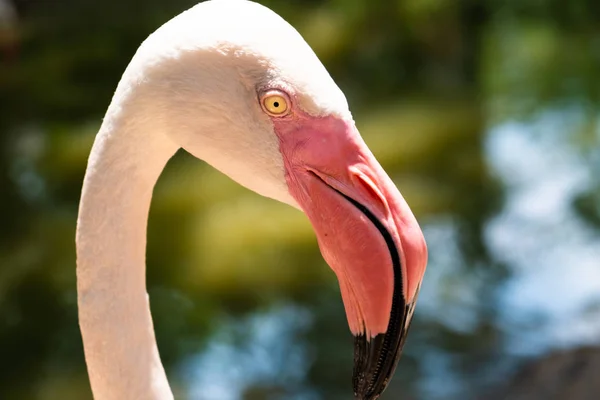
319	150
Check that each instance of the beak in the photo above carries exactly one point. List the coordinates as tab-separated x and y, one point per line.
366	233
376	357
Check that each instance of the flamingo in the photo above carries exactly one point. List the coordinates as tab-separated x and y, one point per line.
235	85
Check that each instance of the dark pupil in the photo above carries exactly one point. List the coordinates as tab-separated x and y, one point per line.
276	104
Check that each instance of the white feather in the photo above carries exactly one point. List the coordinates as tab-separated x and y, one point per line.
196	78
192	84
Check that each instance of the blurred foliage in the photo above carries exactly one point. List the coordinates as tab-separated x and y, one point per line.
425	80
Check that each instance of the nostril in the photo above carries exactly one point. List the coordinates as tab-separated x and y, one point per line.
370	191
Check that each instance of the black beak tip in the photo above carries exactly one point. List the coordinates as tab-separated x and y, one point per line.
375	360
374	364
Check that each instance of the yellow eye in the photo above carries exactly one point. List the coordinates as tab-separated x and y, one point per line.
275	103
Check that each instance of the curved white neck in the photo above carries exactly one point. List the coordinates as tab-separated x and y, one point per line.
114	312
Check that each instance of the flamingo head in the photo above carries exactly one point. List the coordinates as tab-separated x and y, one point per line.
237	86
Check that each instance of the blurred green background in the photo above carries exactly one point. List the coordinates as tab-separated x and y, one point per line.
486	115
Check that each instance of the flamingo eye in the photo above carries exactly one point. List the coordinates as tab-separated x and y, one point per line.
275	103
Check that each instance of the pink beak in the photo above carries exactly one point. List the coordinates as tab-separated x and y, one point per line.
366	233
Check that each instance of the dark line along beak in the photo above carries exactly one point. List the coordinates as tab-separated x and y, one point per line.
375	360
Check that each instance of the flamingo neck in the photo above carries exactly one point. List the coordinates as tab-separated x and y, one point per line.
114	312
